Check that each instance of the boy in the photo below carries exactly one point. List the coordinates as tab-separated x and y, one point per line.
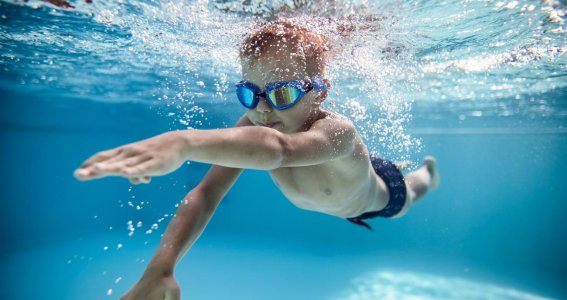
315	157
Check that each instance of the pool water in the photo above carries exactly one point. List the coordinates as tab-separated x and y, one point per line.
481	85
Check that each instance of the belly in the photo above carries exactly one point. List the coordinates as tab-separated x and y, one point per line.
330	192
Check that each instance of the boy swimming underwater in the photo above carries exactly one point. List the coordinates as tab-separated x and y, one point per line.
315	157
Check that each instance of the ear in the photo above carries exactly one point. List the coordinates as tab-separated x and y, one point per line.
322	95
327	83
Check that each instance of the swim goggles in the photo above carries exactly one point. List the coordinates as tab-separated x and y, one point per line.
280	95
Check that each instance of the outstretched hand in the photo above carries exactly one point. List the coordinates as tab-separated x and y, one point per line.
154	287
138	161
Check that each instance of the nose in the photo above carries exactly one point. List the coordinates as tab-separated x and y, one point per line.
263	106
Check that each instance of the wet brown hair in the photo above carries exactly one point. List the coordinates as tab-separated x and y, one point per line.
287	37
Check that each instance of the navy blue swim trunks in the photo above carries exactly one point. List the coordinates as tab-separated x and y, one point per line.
394	180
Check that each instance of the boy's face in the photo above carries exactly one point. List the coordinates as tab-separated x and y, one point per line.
279	66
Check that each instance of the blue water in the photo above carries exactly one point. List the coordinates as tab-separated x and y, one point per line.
480	85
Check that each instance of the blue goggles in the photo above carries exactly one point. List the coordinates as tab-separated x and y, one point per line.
280	95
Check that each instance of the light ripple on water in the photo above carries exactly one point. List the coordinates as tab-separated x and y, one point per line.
183	55
409	286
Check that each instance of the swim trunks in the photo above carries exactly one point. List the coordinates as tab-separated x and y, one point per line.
394	180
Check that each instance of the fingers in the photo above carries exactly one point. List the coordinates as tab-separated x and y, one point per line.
112	166
138	180
136	160
142	169
87	174
118	165
173	293
120	156
100	156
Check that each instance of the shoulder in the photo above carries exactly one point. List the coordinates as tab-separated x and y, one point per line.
334	122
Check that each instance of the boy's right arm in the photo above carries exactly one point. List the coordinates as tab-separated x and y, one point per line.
192	215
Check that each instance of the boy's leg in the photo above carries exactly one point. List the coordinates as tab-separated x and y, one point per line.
424	179
419	182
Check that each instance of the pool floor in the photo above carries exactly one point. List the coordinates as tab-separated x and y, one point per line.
236	267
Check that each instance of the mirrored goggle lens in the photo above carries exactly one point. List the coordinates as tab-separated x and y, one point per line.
284	96
245	95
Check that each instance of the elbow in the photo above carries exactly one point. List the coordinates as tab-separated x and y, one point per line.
275	150
280	150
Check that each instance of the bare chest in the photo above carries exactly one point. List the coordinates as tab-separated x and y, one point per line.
329	188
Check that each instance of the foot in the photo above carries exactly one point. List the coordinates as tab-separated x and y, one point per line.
431	165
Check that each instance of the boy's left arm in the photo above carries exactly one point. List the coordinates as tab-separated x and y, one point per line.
257	147
250	147
327	139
